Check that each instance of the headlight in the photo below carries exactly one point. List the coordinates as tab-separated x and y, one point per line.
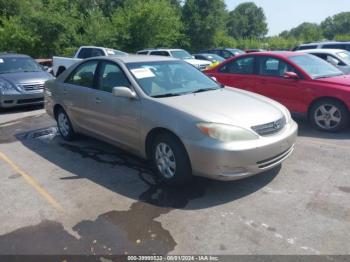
226	133
4	85
287	115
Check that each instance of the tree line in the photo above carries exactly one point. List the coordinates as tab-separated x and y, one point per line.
43	28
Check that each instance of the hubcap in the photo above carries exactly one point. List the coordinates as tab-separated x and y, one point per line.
165	160
327	116
63	124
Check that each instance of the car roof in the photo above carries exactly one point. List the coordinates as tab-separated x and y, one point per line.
325	43
160	49
139	58
4	55
273	53
321	51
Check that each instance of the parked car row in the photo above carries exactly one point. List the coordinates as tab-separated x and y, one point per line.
228	122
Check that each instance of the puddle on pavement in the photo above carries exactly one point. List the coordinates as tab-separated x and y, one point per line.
9	130
134	231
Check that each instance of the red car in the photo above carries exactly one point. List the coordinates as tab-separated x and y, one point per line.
303	83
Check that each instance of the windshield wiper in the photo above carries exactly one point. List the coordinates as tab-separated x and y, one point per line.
204	90
167	95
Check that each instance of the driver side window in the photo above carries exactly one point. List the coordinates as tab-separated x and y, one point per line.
111	75
270	66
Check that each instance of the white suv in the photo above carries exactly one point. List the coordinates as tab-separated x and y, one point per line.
177	53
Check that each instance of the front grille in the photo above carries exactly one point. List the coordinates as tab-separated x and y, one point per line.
32	100
273	160
33	87
270	128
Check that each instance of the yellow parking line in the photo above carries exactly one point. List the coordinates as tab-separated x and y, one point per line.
31	181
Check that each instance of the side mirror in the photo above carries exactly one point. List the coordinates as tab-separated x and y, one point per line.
291	75
123	91
193	57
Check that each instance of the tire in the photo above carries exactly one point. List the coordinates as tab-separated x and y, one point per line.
168	151
329	115
64	125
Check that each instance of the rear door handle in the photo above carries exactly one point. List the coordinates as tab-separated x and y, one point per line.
97	100
65	91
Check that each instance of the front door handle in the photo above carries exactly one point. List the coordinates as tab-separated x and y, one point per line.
97	100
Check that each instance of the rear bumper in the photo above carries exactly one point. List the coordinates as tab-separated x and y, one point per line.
233	161
21	99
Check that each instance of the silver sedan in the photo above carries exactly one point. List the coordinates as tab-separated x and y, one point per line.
167	111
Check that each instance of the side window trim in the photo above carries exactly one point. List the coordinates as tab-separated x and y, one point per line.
78	68
258	61
98	74
254	72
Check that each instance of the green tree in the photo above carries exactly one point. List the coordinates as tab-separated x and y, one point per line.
203	20
146	23
247	21
14	37
9	7
307	32
336	25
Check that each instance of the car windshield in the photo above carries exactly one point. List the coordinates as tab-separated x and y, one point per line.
236	51
316	67
214	58
18	64
113	52
181	54
170	78
345	56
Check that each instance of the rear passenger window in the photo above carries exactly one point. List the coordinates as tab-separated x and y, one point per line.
270	66
85	53
161	53
243	66
334	46
111	75
83	75
305	47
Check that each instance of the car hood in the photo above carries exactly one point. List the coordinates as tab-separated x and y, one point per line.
26	77
343	80
198	62
227	106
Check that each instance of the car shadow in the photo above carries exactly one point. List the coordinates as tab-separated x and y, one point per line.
15	110
306	130
127	175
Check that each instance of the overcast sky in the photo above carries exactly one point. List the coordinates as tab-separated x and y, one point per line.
286	14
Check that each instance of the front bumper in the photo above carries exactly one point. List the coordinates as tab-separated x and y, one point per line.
237	160
15	99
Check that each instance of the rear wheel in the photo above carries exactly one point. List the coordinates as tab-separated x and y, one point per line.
64	125
170	160
329	115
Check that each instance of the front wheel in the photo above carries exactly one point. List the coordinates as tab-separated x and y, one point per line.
329	115
64	125
170	160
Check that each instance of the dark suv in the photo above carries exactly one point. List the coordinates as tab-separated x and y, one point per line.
324	45
224	52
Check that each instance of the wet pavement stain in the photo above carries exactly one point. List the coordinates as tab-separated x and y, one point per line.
134	231
9	130
344	189
14	176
